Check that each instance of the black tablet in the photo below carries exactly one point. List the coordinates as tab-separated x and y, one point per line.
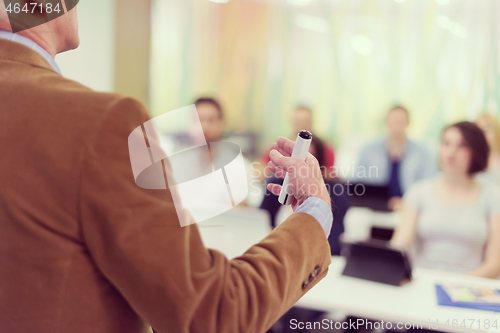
369	196
376	261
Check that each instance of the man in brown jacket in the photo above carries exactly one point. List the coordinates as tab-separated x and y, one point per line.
84	249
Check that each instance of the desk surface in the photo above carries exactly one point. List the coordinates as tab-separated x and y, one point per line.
414	302
234	232
358	222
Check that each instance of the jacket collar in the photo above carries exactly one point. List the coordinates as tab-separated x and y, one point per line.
14	51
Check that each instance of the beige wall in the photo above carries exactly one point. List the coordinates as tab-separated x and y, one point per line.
114	53
92	63
132	48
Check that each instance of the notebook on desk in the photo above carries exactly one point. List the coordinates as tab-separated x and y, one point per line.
468	297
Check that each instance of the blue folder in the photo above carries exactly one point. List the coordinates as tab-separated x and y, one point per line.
444	299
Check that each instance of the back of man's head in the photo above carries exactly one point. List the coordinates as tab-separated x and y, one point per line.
43	21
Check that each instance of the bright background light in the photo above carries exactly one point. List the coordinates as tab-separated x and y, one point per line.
299	2
312	23
349	59
362	44
453	27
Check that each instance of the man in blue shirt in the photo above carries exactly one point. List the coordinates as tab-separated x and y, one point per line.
395	161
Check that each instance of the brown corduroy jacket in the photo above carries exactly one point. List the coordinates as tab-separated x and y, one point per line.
84	249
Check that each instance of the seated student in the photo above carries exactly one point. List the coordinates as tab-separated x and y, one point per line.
336	190
453	221
212	119
302	119
491	128
398	161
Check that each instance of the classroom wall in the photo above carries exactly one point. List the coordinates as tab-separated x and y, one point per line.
348	59
132	48
92	64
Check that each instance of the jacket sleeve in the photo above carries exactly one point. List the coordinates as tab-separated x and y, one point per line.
162	269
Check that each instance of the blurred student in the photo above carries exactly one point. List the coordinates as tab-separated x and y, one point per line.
212	119
336	190
453	221
491	128
302	119
398	162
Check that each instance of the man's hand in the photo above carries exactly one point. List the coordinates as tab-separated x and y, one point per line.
395	203
305	178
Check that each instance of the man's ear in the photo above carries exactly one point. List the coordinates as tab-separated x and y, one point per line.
4	19
27	14
3	13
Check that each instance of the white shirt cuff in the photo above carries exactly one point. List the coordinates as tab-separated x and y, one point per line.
320	210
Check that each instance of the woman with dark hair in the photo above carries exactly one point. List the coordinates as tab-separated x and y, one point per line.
453	221
490	126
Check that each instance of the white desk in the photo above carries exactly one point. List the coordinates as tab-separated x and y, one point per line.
235	231
385	219
412	303
358	222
